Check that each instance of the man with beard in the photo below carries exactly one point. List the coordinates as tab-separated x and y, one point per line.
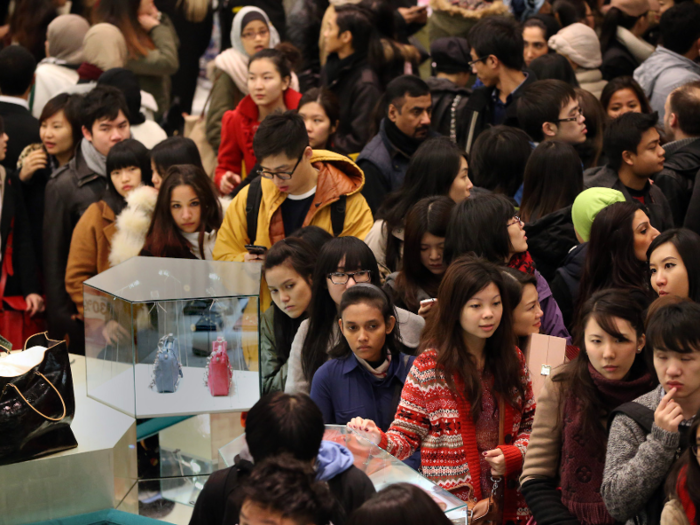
406	125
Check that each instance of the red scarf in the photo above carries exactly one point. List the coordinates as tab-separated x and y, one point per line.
523	262
684	496
89	72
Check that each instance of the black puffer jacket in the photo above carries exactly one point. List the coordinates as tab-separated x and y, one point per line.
677	179
549	240
566	282
448	112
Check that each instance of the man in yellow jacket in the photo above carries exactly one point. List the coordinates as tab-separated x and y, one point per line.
299	187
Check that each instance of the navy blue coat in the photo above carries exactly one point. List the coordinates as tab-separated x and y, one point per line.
344	389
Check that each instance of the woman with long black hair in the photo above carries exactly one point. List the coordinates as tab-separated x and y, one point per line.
342	263
487	226
423	265
289	266
575	401
449	176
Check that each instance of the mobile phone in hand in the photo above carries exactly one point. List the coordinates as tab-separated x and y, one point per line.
255	249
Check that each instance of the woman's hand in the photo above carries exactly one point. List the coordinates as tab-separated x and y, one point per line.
366	428
33	162
668	414
228	182
148	22
113	332
497	460
35	304
425	307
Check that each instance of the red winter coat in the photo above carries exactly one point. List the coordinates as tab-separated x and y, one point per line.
238	128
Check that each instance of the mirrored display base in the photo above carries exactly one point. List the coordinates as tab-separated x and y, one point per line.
191	397
94	476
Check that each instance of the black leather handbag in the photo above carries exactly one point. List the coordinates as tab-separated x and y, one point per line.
36	406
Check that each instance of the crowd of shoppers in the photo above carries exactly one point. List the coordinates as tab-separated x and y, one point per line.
426	189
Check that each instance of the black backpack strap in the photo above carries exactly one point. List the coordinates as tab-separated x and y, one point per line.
252	208
640	414
338	215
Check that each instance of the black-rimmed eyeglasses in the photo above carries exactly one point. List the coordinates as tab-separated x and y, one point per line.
281	175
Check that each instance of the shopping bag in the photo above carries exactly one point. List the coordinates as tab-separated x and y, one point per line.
545	353
37	401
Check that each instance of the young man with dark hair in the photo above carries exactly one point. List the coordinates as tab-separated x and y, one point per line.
550	110
289	424
17	66
406	125
283	490
635	155
682	126
497	59
675	62
349	34
451	70
71	190
297	187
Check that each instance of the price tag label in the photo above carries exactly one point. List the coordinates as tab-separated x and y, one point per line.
546	370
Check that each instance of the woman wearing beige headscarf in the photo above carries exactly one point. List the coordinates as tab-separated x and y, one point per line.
579	43
64	53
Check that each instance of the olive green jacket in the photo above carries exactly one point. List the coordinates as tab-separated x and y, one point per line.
154	70
225	96
272	367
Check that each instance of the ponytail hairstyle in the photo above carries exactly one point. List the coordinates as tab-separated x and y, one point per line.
430	215
301	257
164	238
514	282
365	293
466	277
323	312
687	469
608	31
575	378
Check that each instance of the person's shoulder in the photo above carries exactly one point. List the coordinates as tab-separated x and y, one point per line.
427	359
353	479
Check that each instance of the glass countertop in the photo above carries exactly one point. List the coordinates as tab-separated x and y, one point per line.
381	467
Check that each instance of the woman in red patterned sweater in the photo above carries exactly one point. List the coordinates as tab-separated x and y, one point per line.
467	401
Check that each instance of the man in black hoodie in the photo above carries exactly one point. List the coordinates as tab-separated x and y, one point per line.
448	87
682	125
349	36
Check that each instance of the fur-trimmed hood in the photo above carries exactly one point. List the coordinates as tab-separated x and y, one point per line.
133	222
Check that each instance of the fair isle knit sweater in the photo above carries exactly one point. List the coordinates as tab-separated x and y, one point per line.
433	417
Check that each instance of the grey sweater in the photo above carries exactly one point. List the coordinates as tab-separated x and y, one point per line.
636	464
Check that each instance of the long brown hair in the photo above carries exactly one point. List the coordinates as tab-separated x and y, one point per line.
164	238
125	15
465	277
575	378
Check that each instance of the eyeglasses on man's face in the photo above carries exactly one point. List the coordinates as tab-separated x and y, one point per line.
362	276
476	61
281	175
579	113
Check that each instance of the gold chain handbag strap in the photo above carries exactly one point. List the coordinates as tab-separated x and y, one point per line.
30	405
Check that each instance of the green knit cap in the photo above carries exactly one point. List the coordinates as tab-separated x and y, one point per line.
588	204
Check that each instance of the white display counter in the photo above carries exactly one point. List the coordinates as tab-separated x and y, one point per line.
96	475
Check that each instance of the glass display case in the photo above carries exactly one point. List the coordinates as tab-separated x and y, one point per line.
167	337
381	467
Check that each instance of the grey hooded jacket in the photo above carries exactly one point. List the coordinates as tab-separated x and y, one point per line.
663	72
